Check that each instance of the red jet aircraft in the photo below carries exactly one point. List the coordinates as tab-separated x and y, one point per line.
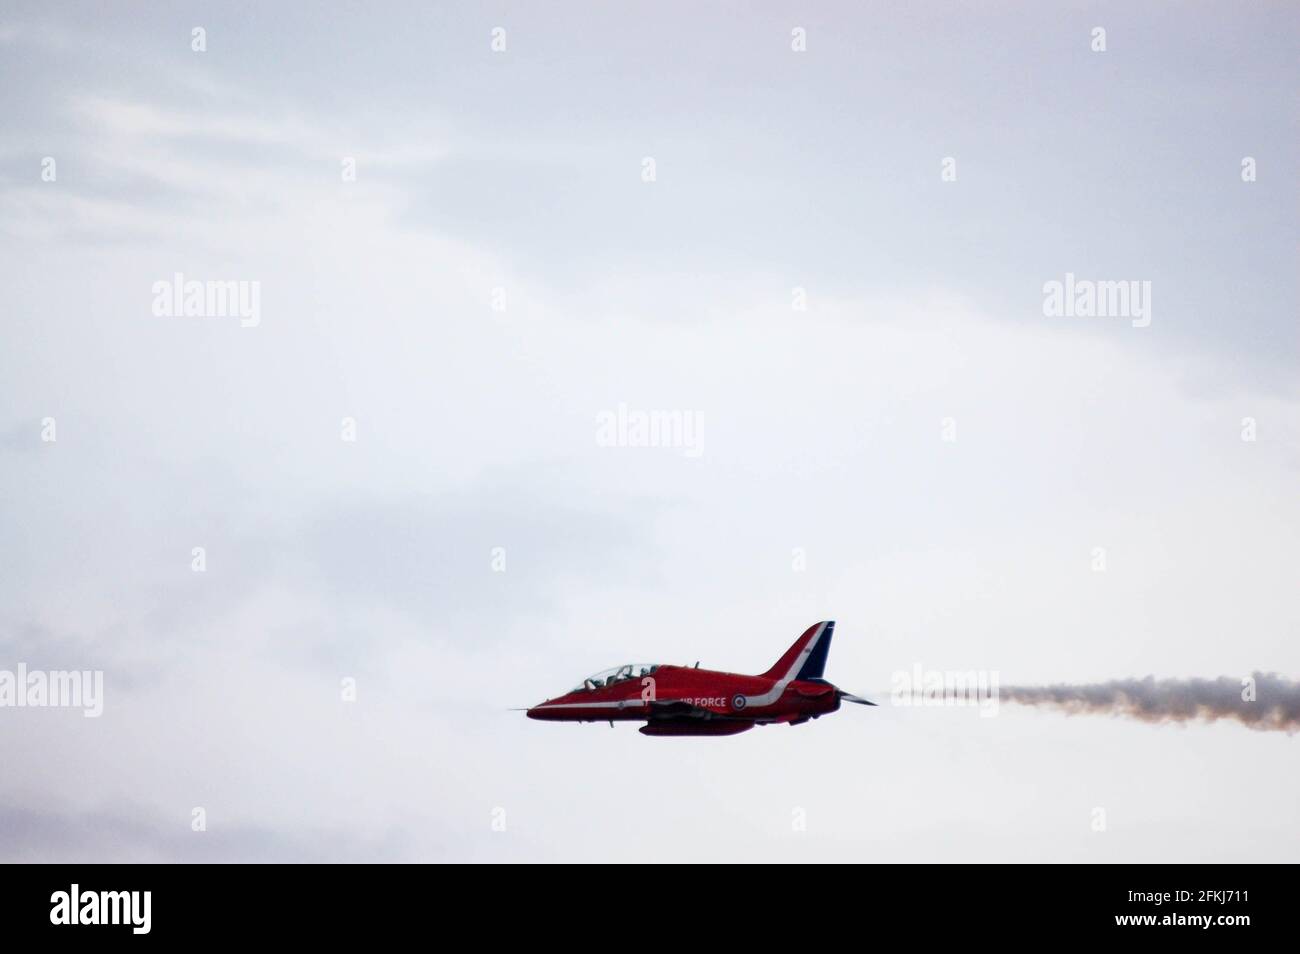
680	700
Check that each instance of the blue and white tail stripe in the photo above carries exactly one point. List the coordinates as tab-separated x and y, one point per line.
811	658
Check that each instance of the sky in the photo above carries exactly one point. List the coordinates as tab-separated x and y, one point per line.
834	266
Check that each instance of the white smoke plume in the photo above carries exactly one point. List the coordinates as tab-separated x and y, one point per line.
1264	701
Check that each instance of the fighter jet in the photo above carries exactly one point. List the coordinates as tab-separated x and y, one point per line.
685	700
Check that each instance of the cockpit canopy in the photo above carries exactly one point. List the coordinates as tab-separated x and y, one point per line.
609	677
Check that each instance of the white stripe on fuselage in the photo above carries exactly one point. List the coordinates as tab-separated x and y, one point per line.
619	704
775	693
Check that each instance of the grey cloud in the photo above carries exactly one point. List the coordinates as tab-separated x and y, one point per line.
135	835
822	428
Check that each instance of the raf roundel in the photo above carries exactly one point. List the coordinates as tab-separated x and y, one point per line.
738	701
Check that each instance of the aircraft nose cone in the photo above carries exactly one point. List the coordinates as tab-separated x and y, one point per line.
538	711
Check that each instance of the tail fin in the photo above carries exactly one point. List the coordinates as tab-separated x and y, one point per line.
806	659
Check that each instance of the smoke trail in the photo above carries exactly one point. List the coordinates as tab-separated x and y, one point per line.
1275	705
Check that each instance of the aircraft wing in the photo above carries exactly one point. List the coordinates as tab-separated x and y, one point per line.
683	718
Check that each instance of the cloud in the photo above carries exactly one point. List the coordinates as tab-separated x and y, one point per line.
134	835
823	430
